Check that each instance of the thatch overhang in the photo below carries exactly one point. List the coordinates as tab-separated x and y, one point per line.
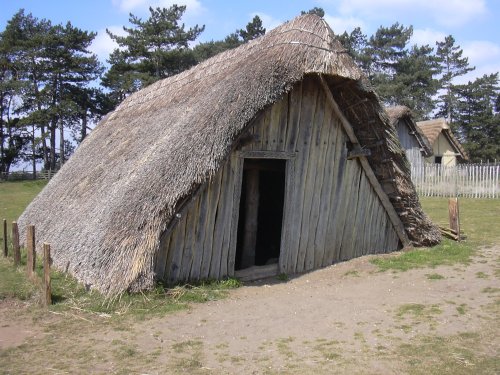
105	210
433	128
403	113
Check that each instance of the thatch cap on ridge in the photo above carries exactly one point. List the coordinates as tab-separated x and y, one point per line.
403	113
106	209
432	128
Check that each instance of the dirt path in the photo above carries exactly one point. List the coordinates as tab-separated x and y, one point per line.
347	318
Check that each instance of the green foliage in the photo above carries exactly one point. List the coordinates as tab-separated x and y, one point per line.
51	62
152	49
477	121
453	65
316	10
206	50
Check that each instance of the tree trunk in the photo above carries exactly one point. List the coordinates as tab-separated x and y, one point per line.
52	159
33	149
61	143
83	132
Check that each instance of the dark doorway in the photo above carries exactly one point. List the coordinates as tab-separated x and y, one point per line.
261	213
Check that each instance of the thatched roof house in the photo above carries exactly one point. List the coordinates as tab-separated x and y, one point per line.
413	141
447	149
278	143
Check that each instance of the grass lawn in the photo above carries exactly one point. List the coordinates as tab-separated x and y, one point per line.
15	196
479	218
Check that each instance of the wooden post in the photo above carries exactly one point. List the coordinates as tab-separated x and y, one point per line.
46	273
30	249
5	246
15	244
454	216
251	218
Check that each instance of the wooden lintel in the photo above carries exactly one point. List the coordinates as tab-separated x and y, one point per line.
346	125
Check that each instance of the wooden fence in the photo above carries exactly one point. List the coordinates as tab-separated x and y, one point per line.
24	175
465	180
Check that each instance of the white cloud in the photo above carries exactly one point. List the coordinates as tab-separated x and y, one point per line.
103	45
341	24
480	52
426	36
268	22
193	7
449	13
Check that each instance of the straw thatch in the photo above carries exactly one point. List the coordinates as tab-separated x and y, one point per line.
105	210
433	128
403	113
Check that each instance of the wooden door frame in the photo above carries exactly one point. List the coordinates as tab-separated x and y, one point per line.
289	158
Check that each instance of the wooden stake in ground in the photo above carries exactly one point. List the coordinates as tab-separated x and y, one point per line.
5	247
15	244
46	273
30	248
454	216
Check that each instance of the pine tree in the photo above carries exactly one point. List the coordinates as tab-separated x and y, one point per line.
52	60
477	120
415	81
253	30
152	49
316	10
453	65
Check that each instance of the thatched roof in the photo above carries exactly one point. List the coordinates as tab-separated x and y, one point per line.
432	129
403	113
106	209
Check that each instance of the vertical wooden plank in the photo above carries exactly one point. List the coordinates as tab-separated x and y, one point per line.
274	132
317	178
199	236
265	129
238	177
348	245
208	248
251	216
15	244
30	250
329	140
294	117
161	256
288	207
222	216
191	247
337	198
5	246
46	275
174	256
304	139
283	123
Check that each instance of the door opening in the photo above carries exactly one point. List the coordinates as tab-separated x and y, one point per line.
261	213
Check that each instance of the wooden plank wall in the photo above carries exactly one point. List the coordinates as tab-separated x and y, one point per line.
333	212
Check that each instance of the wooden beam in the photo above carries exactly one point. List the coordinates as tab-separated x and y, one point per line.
346	125
251	218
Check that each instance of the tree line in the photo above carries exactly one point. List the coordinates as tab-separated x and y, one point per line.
52	88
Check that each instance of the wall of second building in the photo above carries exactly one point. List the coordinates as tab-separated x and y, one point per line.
331	212
444	149
410	144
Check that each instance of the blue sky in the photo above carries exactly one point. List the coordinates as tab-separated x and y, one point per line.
473	23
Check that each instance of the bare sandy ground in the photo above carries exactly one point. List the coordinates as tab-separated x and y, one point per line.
347	318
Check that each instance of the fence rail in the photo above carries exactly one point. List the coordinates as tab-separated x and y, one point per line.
24	175
465	180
